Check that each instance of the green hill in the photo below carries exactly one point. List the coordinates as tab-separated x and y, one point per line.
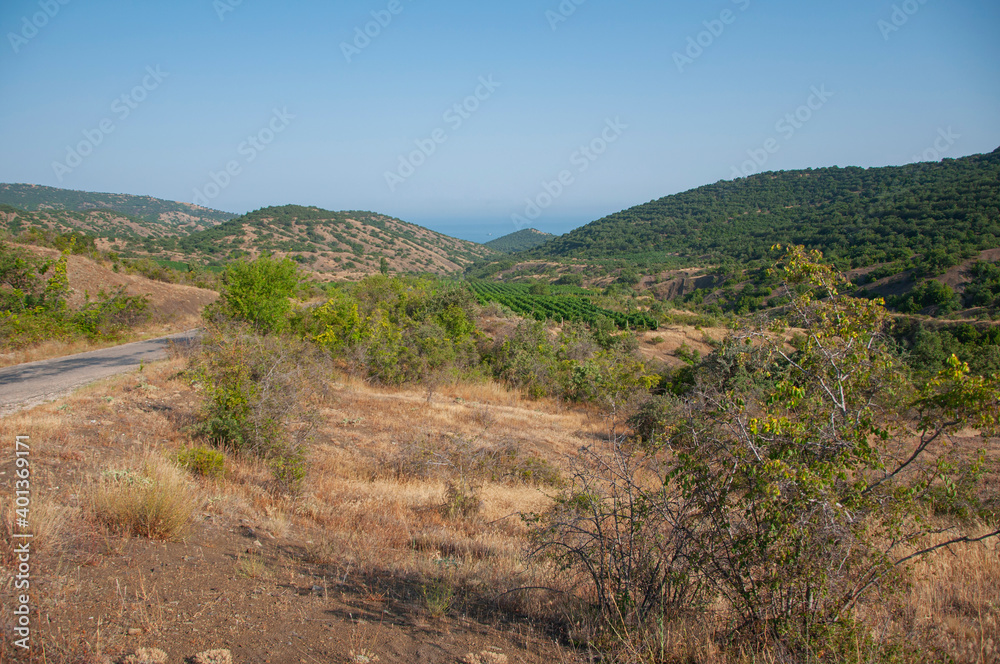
523	240
335	243
856	216
162	217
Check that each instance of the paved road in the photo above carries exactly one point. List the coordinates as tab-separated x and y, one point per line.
30	384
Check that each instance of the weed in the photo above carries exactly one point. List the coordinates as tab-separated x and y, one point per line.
202	461
461	500
438	598
154	502
251	566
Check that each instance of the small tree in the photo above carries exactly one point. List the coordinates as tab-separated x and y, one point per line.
788	482
258	292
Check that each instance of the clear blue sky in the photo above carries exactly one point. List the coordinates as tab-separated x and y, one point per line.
226	67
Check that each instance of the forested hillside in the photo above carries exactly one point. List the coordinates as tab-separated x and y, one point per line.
943	211
339	243
523	240
112	230
184	217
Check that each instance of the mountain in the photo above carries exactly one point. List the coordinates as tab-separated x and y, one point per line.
856	216
335	243
111	230
523	240
342	244
161	217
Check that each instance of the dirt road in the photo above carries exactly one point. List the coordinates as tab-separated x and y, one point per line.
33	383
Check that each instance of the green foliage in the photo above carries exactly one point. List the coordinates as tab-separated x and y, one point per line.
775	483
254	397
930	293
21	279
571	279
521	240
341	236
984	287
258	293
397	329
110	314
856	216
202	461
144	208
33	308
568	303
928	348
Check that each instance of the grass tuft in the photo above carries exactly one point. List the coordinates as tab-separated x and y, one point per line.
154	501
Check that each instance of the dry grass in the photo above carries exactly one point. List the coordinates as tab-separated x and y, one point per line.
953	604
373	506
149	499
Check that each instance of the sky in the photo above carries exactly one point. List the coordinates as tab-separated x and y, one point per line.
477	119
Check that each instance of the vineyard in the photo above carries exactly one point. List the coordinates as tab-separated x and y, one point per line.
565	304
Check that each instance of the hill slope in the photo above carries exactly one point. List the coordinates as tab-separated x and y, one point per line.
112	230
523	240
854	215
337	243
158	213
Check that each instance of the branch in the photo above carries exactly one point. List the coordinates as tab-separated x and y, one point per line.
921	448
958	540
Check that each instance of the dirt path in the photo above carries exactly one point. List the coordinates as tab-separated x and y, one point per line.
30	384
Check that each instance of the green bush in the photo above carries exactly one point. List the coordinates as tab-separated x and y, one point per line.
111	314
202	461
255	388
775	491
258	292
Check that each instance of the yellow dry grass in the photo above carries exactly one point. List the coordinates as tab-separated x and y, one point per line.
380	465
147	497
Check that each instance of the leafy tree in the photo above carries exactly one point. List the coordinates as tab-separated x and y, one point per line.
258	292
784	482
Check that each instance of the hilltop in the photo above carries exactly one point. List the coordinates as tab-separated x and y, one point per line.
340	244
346	244
522	240
160	217
856	216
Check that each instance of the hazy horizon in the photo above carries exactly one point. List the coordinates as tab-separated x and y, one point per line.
479	119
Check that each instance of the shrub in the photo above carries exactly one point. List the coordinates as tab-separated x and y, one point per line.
254	388
202	461
461	499
782	492
111	314
258	293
